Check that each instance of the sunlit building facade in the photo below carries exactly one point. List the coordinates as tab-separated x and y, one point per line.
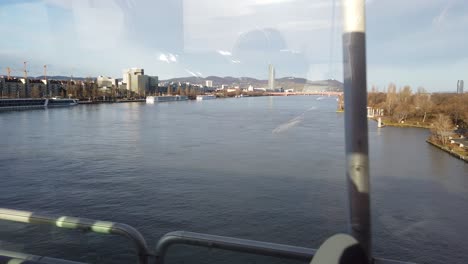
271	77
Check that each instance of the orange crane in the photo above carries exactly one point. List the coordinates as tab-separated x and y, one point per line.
10	70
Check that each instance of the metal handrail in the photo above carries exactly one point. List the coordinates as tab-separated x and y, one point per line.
88	225
242	245
18	257
172	238
231	244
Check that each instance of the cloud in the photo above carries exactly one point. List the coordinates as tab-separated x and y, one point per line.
163	57
168	58
441	17
172	57
224	53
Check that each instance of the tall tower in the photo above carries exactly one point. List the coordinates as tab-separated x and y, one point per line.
460	86
271	77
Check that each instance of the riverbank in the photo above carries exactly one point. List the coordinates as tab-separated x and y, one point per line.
387	122
452	151
448	150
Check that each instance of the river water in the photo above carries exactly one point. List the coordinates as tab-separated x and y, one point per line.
269	169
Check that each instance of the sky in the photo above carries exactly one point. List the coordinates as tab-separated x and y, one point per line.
421	43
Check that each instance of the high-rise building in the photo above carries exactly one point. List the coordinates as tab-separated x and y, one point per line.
209	83
271	77
136	81
460	86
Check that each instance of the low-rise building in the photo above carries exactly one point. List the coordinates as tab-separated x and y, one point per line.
105	82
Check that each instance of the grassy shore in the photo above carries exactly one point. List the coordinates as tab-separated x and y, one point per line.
456	152
408	123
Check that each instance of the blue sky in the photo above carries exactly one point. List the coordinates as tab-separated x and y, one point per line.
416	42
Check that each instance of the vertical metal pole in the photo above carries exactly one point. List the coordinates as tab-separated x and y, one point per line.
355	95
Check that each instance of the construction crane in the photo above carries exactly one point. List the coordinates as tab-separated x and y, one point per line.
24	70
10	70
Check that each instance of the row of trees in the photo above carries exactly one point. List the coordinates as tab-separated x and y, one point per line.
404	105
189	91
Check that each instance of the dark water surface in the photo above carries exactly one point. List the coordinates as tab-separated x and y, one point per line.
269	169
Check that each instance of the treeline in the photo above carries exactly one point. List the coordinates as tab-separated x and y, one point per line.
404	105
188	90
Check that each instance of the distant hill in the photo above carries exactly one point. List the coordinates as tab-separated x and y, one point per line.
299	84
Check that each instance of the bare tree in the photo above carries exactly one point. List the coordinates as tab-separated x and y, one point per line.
403	106
443	128
401	112
405	95
376	100
456	108
423	103
391	100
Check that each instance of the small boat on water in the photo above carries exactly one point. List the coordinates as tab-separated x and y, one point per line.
57	102
32	103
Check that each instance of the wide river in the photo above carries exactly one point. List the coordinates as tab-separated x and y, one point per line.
268	169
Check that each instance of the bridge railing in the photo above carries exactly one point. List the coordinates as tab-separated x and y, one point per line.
84	224
145	256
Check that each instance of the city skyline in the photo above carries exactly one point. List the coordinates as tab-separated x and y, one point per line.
409	46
